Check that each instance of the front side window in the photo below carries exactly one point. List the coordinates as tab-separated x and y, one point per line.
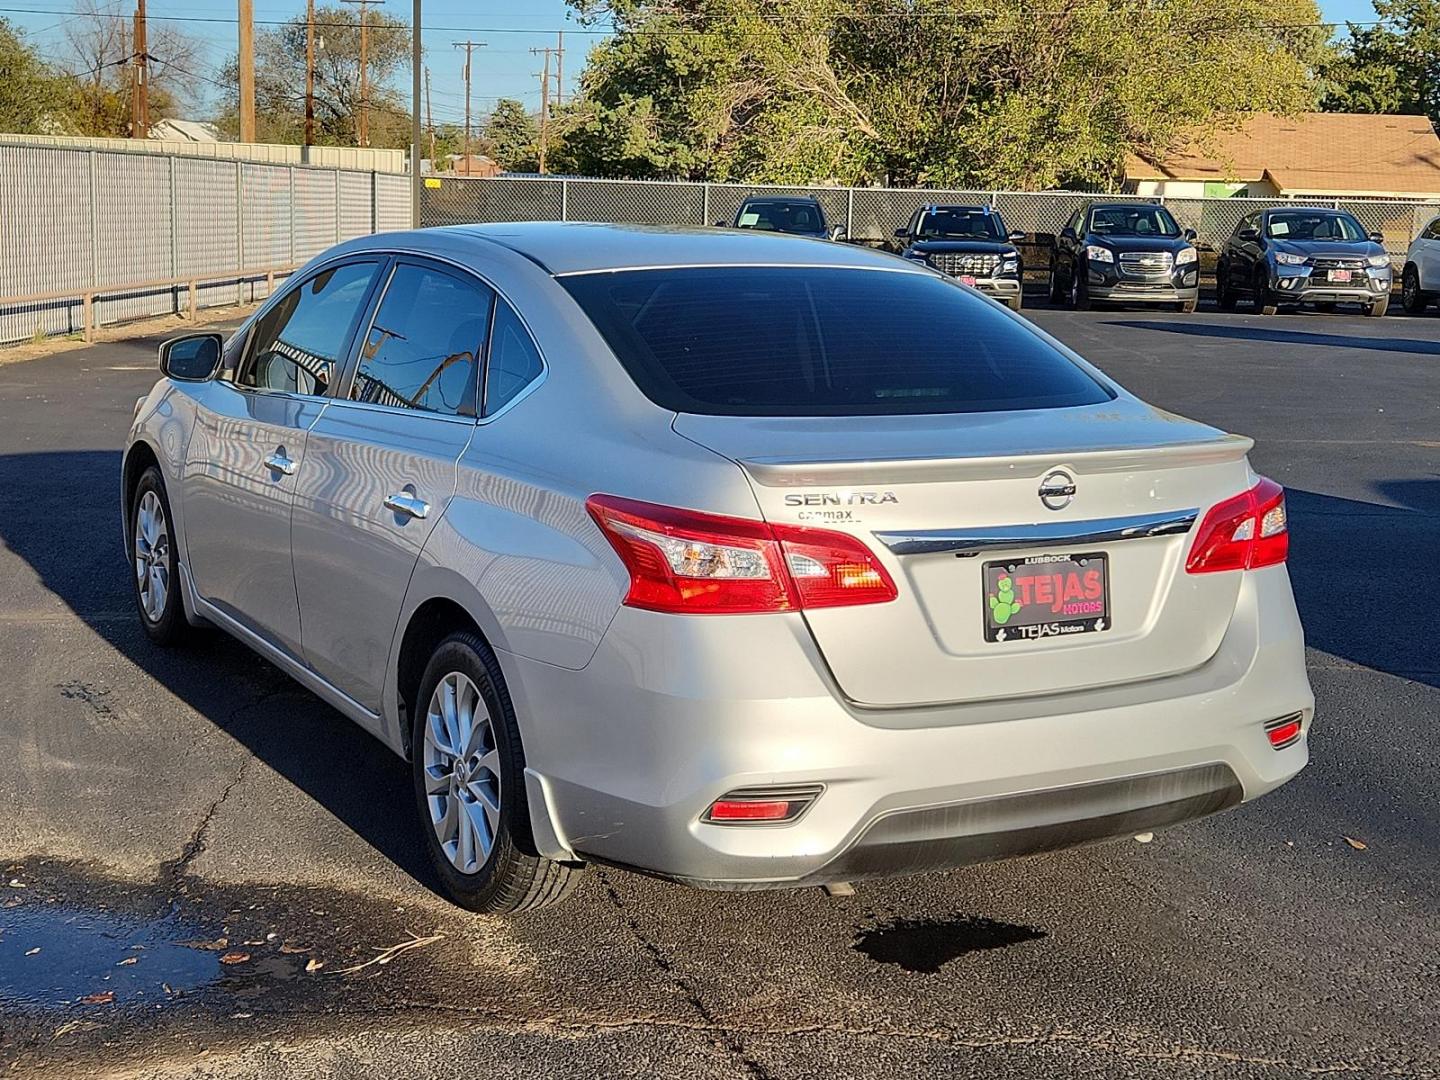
1138	220
424	344
1312	225
298	344
823	341
1433	232
958	223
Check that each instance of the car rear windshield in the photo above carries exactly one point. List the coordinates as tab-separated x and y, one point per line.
823	341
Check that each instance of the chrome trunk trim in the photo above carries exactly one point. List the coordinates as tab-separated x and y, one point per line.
1067	533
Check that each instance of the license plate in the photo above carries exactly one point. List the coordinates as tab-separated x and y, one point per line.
1340	275
967	279
1044	596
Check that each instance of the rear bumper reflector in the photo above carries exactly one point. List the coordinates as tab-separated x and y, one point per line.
762	806
1284	731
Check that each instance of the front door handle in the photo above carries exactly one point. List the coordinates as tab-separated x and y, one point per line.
402	502
278	462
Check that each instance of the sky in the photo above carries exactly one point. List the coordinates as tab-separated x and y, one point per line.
505	67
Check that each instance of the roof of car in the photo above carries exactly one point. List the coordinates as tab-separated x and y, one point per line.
808	200
583	247
956	206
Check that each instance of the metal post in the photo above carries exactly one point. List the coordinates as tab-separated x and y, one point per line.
850	214
415	71
291	171
705	204
335	200
240	231
94	240
87	305
564	200
175	241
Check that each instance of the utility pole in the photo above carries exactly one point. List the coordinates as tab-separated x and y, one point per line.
140	81
416	62
247	71
469	47
362	128
544	105
560	67
430	122
309	72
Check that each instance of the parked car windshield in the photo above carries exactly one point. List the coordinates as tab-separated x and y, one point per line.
958	224
1312	225
786	217
1140	220
823	341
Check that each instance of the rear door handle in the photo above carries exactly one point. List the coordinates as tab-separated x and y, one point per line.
278	462
402	502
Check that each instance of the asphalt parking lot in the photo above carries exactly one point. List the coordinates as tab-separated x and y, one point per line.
260	847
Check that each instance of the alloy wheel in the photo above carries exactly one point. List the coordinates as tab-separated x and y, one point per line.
152	556
462	772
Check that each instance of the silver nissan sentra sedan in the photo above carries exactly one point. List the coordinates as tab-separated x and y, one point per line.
745	560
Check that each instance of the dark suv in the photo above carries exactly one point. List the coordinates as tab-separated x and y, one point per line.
969	243
795	215
1128	252
1298	255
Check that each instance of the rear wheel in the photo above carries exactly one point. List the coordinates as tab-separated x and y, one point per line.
155	562
1378	308
469	774
1413	300
1057	291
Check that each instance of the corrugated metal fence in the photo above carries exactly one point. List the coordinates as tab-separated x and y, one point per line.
80	222
868	214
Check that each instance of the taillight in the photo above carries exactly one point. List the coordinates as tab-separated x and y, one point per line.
685	561
1243	533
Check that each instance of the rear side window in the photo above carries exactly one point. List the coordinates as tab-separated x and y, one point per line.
821	341
514	361
424	345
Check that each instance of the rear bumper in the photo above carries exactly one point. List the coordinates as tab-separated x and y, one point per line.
675	712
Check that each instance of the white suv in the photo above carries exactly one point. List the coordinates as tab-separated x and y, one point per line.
1420	283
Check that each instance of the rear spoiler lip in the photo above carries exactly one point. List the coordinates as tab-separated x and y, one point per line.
790	472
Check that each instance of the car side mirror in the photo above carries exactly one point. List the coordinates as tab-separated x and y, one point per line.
1378	237
1249	234
902	234
1015	236
1191	235
192	357
722	224
837	232
1068	233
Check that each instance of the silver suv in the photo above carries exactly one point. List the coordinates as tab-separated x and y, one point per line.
746	560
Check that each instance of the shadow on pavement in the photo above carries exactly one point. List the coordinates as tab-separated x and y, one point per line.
73	542
1247	332
924	946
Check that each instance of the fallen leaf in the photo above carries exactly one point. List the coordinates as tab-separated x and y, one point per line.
128	961
292	949
314	966
33	951
235	957
1144	837
16	883
105	997
1358	845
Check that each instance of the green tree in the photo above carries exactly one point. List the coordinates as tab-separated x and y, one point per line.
280	80
1391	67
512	135
33	99
925	91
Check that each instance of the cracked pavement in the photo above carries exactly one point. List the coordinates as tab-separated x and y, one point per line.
204	789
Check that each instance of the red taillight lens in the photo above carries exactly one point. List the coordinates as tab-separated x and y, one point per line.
1243	533
749	810
689	562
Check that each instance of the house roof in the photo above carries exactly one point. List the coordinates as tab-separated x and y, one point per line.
1313	153
186	130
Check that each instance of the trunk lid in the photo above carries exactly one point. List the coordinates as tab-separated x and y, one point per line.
932	496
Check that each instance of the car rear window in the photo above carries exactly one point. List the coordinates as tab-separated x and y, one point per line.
823	341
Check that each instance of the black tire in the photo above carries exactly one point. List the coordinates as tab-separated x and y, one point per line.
514	877
1079	290
1224	295
1263	298
1015	303
1378	308
1057	293
164	622
1327	306
1411	298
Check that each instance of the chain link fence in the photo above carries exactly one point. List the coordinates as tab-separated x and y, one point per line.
869	215
77	223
